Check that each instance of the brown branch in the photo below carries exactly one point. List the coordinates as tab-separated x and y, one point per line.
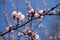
15	28
53	8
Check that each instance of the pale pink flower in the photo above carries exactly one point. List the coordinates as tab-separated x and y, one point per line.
31	13
41	11
41	16
14	14
36	15
35	36
20	34
9	28
22	17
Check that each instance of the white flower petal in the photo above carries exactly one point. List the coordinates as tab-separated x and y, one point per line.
22	17
41	11
14	12
36	14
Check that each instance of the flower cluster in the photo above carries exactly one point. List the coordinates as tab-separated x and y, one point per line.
9	28
41	12
18	15
35	36
29	33
20	34
33	13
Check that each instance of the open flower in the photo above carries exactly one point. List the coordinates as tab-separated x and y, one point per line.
35	36
36	15
41	11
22	17
29	30
18	15
31	13
20	34
14	14
9	28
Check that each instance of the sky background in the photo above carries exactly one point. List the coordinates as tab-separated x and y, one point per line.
50	22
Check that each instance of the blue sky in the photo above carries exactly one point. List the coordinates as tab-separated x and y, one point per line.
48	20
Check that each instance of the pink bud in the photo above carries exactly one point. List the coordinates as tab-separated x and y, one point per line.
41	16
